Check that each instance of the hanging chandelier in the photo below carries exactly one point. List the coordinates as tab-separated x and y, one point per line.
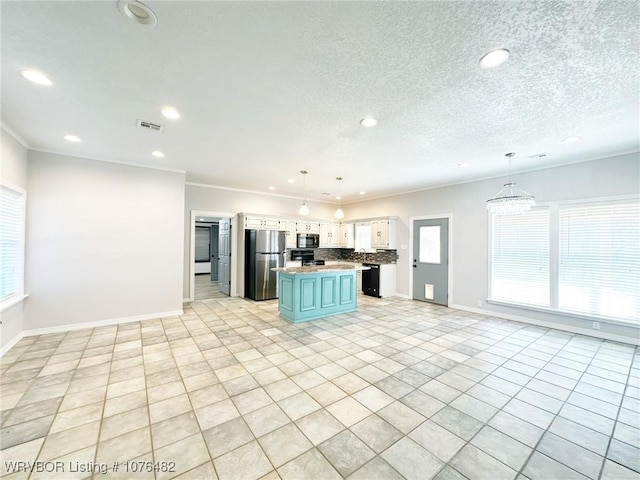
339	213
510	200
304	210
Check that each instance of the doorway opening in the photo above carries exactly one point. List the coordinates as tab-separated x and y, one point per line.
210	260
206	258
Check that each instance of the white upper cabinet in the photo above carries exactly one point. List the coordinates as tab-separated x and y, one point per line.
262	223
330	235
346	235
291	233
308	227
383	233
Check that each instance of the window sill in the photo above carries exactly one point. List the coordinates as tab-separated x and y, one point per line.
10	302
565	313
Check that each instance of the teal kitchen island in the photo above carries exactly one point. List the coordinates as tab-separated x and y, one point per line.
309	293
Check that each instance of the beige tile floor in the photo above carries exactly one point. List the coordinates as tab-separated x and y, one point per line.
399	389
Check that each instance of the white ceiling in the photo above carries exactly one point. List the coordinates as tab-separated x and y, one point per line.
267	89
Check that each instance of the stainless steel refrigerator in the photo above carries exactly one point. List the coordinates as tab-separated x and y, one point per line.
264	250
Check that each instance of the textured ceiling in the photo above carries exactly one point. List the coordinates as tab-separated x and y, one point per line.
267	89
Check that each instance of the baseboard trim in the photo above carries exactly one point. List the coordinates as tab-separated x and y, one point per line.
556	326
99	323
11	343
402	295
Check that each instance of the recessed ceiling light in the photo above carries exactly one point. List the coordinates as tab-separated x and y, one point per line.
170	112
464	165
368	122
362	193
291	180
338	197
157	154
494	58
271	187
569	140
37	77
138	12
72	138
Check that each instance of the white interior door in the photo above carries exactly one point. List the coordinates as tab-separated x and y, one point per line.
224	256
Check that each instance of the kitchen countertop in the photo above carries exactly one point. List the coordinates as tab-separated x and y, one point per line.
321	268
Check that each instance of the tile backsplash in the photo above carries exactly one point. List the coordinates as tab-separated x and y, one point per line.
349	254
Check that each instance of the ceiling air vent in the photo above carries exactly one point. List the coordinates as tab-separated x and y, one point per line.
538	156
149	126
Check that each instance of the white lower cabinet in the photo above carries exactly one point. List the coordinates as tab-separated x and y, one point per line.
388	279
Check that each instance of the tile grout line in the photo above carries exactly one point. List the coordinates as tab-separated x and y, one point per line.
615	422
306	336
556	415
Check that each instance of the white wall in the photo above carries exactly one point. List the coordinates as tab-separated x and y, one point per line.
233	201
104	242
13	170
601	178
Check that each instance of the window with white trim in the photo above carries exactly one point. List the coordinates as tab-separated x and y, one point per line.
12	205
362	237
580	258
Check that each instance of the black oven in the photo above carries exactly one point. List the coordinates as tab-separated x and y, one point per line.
308	240
305	257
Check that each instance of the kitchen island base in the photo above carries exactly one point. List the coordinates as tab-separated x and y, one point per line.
313	295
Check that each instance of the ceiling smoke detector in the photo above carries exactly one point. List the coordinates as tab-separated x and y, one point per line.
154	127
138	12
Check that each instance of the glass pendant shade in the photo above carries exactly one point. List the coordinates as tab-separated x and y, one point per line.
304	210
510	200
339	214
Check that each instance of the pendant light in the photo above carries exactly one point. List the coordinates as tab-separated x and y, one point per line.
304	210
339	213
510	200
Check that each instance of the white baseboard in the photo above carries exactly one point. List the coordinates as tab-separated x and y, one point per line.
99	323
402	295
11	343
557	326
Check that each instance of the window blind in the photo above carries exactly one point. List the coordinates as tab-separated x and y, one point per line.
363	236
11	242
202	244
520	257
599	271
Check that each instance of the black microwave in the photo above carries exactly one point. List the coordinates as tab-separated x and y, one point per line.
308	240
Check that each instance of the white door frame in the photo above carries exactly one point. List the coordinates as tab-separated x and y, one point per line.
192	248
448	216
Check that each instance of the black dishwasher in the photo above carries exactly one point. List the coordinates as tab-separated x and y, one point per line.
371	280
